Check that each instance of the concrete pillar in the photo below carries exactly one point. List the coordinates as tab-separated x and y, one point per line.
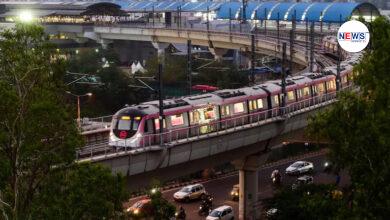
249	183
218	52
160	47
105	43
248	193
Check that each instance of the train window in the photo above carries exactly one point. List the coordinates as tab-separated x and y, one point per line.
124	125
260	103
320	88
252	105
136	122
146	128
194	117
238	107
177	120
299	93
331	84
225	110
290	96
157	123
209	113
306	91
276	99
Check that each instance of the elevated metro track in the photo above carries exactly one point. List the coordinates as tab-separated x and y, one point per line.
266	43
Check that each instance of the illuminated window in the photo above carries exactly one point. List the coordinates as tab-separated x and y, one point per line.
177	120
209	113
194	117
238	107
260	103
320	88
331	85
299	93
306	91
157	123
290	96
344	79
276	99
225	110
252	105
124	125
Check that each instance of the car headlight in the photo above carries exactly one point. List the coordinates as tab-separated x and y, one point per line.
136	211
236	194
232	193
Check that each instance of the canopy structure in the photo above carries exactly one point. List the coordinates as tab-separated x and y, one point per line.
255	10
287	11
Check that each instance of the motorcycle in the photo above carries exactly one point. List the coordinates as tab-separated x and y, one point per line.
181	214
204	209
276	177
328	167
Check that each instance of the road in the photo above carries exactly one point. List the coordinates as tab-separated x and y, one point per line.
220	188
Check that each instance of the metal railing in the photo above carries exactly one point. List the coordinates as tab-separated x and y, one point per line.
214	128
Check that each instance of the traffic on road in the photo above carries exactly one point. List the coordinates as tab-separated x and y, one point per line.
218	198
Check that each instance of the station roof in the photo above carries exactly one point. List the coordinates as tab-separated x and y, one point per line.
286	11
271	10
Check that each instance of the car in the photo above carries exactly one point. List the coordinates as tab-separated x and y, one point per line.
190	192
235	192
141	208
303	180
272	212
224	212
300	167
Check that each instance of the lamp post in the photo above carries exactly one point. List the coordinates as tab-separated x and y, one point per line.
78	104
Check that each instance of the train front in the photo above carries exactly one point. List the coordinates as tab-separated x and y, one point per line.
126	128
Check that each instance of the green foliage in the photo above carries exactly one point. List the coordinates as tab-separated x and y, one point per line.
307	202
162	208
209	72
359	126
114	94
38	138
36	131
81	192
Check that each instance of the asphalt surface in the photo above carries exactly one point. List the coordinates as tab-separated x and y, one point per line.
220	188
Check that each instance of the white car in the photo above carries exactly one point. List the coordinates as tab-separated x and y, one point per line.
223	212
190	192
303	180
300	167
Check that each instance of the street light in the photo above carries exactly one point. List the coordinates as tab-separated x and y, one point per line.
78	104
25	16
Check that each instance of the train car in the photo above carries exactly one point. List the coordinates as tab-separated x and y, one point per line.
138	125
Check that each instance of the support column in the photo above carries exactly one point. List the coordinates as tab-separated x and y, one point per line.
218	52
249	184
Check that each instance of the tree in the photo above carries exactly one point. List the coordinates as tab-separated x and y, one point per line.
307	202
82	192
38	137
358	127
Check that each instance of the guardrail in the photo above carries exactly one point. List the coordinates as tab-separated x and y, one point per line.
215	128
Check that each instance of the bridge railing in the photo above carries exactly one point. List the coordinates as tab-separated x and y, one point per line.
215	128
284	34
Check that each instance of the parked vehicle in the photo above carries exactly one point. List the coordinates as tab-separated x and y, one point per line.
234	194
300	167
190	192
221	213
303	180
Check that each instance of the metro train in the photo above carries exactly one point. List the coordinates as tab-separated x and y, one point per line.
138	125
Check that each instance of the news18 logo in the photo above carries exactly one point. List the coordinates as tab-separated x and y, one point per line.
353	36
